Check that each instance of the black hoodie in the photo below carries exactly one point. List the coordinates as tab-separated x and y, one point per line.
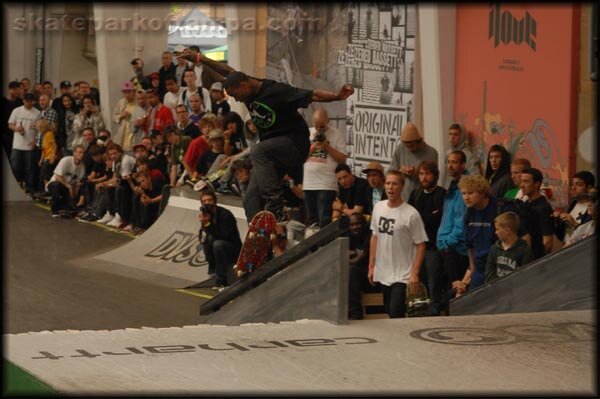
501	262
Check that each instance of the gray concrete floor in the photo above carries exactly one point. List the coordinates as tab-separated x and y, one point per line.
45	290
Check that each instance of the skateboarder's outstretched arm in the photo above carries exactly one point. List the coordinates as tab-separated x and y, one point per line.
326	96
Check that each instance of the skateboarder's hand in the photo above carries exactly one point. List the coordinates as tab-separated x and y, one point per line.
345	92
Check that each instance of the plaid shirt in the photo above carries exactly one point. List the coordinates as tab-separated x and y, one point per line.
50	116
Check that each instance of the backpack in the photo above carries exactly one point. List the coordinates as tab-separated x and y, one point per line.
529	222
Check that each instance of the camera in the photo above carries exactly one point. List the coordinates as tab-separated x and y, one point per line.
206	209
319	137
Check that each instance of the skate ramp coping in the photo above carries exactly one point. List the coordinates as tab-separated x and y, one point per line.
542	354
169	252
563	280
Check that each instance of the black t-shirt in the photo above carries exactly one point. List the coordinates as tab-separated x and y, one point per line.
542	208
355	195
221	108
98	167
191	130
274	112
430	206
157	187
205	162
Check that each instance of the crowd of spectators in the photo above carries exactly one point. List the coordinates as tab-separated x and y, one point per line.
175	126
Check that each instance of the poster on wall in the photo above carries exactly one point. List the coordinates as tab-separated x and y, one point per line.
516	84
372	47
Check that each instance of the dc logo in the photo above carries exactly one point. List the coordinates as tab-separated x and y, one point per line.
386	225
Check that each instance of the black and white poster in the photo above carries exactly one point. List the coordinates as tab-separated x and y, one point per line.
368	45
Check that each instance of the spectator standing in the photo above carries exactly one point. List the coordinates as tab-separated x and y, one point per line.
206	74
185	124
451	236
480	232
219	105
410	152
360	241
352	193
376	179
159	116
167	68
9	103
459	141
139	117
328	149
531	181
65	88
140	82
516	168
197	111
179	145
219	236
189	76
428	200
89	116
122	116
26	85
173	92
397	246
49	154
497	171
22	159
66	117
582	183
182	65
509	252
48	114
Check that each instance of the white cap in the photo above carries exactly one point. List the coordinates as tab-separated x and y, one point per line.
179	48
217	86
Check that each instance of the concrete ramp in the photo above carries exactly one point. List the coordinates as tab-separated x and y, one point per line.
564	280
315	287
11	190
541	354
168	253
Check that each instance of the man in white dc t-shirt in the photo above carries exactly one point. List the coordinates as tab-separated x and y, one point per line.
22	158
66	181
397	246
327	150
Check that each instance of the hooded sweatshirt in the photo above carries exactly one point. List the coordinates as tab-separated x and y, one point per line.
451	234
473	164
501	262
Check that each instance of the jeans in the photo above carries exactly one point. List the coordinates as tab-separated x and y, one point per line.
123	199
432	276
60	196
220	255
23	165
319	206
271	160
394	300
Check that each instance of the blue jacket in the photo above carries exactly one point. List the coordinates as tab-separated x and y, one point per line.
452	234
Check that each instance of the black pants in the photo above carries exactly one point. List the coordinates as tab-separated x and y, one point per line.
60	196
271	160
394	300
123	194
359	283
220	255
454	267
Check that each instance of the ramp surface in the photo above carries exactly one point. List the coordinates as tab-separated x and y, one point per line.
169	252
315	287
564	280
11	191
515	354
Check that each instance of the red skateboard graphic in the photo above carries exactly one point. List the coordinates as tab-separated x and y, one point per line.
257	244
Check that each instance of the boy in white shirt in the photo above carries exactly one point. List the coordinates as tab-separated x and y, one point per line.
397	246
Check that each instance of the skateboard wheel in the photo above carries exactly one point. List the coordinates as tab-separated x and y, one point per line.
273	236
240	273
234	267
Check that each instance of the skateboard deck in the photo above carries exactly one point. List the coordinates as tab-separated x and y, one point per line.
257	244
216	175
417	303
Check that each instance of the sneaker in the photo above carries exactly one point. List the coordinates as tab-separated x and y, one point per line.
128	228
106	218
55	215
116	221
211	272
235	189
281	217
223	190
87	217
218	287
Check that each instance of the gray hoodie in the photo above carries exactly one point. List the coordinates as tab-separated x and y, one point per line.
473	164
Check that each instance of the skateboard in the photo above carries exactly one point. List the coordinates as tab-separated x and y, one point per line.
417	304
216	175
257	244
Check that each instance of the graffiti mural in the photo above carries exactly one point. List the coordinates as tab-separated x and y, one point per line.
517	94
